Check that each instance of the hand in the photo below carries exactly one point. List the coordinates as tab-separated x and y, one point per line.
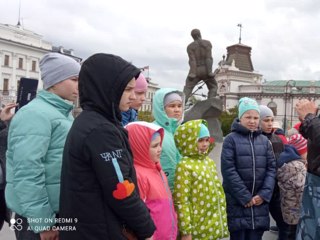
129	234
257	200
6	114
304	106
250	204
186	237
49	235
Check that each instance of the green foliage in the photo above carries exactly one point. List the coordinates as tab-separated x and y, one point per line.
145	116
226	118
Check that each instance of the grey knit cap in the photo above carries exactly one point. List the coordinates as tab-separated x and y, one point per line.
265	112
56	67
171	97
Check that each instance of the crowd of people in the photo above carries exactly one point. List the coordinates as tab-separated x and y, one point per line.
107	175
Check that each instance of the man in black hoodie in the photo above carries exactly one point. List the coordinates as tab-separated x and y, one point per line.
99	190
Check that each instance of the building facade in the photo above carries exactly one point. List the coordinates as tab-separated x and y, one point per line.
20	53
234	71
236	78
152	88
282	96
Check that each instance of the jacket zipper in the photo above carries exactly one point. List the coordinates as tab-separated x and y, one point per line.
254	175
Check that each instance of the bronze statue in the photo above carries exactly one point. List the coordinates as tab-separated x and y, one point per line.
200	62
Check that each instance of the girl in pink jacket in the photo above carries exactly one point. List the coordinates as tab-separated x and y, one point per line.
145	142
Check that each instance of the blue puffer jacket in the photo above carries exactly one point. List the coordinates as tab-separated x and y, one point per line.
248	169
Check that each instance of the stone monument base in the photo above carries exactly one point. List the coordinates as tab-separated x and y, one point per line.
209	110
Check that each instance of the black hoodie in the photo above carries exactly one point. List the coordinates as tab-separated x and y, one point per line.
97	157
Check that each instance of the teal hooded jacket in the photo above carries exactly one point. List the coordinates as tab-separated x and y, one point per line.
36	140
170	155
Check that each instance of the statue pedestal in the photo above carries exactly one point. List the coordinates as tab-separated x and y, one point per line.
209	110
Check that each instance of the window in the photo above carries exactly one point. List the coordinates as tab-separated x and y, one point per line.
6	60
5	86
20	63
273	107
34	66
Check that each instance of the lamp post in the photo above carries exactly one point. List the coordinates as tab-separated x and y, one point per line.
292	84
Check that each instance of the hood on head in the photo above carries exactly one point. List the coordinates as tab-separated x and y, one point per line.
289	154
102	80
158	110
140	136
186	138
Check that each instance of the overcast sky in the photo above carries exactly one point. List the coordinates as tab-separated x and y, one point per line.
284	35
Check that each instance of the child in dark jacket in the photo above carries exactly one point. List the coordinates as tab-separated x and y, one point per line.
248	170
291	176
98	180
266	125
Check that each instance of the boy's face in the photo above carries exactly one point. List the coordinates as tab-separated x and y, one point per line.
266	124
174	109
203	144
66	89
250	120
155	149
128	96
140	98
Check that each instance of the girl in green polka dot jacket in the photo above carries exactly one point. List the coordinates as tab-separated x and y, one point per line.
198	194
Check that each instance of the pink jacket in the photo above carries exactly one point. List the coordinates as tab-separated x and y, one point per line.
153	184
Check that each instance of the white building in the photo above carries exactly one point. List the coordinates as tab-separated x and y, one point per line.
152	88
20	53
234	71
282	96
236	78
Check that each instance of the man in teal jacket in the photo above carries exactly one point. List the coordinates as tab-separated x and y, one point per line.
36	140
167	110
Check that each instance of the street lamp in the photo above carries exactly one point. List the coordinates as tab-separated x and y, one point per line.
292	84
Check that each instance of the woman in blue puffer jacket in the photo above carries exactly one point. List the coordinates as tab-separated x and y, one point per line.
248	170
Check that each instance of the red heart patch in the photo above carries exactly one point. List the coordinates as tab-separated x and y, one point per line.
129	187
120	192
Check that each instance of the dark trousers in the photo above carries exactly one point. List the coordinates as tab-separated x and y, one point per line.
291	232
247	234
284	229
2	208
21	229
